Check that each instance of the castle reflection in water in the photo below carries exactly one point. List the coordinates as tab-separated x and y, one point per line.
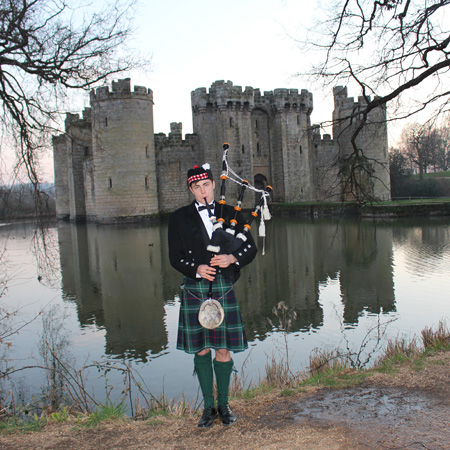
120	277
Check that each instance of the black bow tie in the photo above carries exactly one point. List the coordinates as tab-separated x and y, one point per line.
209	207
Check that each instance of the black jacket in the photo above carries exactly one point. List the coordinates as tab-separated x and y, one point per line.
188	240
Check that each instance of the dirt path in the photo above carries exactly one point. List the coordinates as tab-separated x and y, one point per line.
408	410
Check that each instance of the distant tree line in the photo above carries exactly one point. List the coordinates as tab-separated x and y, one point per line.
23	201
422	149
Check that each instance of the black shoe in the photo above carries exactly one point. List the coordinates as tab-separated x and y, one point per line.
208	417
226	415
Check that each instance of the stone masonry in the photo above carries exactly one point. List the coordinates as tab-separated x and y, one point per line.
110	165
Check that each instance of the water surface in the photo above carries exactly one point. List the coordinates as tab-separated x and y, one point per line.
353	283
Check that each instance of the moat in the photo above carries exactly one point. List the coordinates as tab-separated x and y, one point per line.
347	279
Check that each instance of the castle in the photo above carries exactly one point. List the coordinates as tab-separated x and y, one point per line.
110	165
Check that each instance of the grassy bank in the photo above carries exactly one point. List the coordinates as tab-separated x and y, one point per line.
434	175
326	369
395	208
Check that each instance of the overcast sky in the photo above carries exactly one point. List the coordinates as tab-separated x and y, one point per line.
193	43
196	42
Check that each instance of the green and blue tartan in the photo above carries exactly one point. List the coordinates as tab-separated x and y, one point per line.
192	337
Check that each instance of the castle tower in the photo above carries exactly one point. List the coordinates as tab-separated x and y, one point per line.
268	135
123	164
70	151
372	142
290	150
224	115
60	167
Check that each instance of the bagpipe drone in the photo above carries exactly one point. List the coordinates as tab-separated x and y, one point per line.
225	240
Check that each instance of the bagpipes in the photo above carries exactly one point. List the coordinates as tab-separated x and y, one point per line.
225	240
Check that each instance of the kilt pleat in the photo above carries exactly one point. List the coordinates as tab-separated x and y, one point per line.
192	337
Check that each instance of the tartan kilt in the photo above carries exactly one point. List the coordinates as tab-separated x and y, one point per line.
192	337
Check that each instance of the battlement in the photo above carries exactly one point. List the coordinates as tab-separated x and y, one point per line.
72	118
75	120
320	140
283	99
175	137
341	99
223	95
176	129
120	89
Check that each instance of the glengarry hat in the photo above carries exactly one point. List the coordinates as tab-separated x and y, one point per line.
199	173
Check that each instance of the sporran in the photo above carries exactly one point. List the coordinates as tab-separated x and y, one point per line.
211	314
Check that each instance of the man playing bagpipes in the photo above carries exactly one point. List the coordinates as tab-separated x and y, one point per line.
208	274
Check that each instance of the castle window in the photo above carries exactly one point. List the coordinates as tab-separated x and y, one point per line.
146	151
258	149
243	149
301	150
106	121
146	182
256	123
298	120
110	183
86	151
231	122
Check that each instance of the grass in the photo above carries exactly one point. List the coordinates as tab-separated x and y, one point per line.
105	413
434	175
326	369
287	392
399	351
402	202
15	424
414	201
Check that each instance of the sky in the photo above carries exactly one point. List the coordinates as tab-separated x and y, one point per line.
193	43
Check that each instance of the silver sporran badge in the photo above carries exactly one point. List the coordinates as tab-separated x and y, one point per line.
211	314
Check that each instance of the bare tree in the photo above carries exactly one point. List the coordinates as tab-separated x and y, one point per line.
420	144
442	157
47	49
387	48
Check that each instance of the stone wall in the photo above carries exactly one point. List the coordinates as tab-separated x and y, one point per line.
175	157
61	169
326	169
372	143
80	148
123	152
110	166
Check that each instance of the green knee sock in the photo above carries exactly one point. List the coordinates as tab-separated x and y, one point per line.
223	375
203	368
